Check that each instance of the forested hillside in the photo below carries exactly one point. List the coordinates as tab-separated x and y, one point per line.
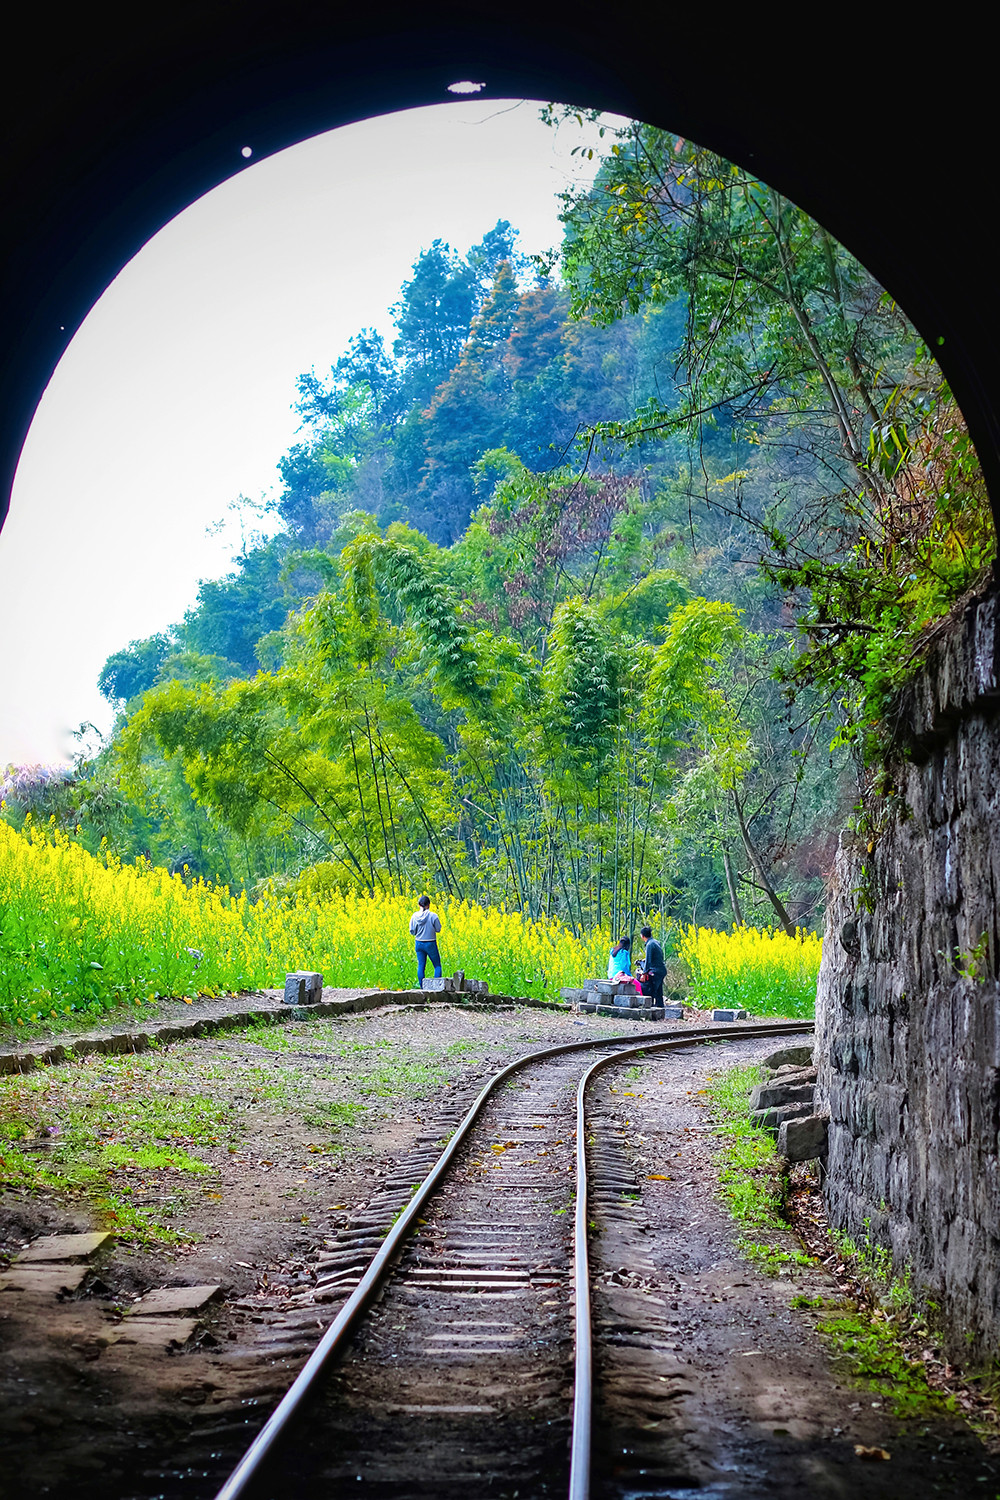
589	595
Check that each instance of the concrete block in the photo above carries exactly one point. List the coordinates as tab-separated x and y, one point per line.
804	1139
48	1280
302	987
62	1247
729	1015
173	1299
671	1012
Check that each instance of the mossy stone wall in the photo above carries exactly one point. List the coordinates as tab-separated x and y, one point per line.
908	1020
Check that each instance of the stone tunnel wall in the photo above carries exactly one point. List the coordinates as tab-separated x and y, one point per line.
908	1020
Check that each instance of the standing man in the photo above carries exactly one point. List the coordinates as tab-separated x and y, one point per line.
425	926
655	965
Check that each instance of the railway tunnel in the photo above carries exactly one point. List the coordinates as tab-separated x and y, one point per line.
886	139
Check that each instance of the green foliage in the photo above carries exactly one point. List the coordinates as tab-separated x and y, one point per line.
130	672
881	523
870	1349
751	1181
568	708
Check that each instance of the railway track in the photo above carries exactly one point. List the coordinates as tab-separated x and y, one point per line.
461	1361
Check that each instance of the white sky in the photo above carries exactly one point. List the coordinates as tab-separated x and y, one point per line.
174	397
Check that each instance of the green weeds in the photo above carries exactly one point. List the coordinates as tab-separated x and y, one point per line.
872	1341
751	1181
868	1344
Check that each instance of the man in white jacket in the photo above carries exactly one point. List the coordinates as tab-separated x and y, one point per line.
425	926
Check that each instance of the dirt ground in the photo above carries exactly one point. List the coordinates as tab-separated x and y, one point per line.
228	1160
752	1400
231	1162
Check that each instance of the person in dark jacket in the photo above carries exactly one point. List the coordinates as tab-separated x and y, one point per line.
654	967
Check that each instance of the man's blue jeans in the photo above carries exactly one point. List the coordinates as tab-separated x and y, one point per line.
427	951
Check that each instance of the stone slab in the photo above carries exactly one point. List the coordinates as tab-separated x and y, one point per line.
776	1095
804	1139
163	1332
47	1280
173	1299
729	1015
62	1247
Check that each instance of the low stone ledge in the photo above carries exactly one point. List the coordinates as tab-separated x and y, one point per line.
119	1041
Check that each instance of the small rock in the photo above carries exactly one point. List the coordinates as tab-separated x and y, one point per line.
800	1056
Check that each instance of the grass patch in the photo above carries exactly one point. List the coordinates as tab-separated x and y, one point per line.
869	1346
151	1158
112	1130
751	1180
131	1134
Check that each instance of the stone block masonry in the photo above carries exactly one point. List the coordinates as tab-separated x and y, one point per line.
303	988
908	1018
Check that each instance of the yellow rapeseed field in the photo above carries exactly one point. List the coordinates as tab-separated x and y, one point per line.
79	933
765	971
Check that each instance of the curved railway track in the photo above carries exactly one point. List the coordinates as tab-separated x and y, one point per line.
412	1391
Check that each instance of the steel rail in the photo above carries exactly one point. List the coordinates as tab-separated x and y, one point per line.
583	1374
343	1325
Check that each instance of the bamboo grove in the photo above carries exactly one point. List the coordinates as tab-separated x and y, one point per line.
401	743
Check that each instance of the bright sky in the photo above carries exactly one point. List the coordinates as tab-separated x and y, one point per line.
174	397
